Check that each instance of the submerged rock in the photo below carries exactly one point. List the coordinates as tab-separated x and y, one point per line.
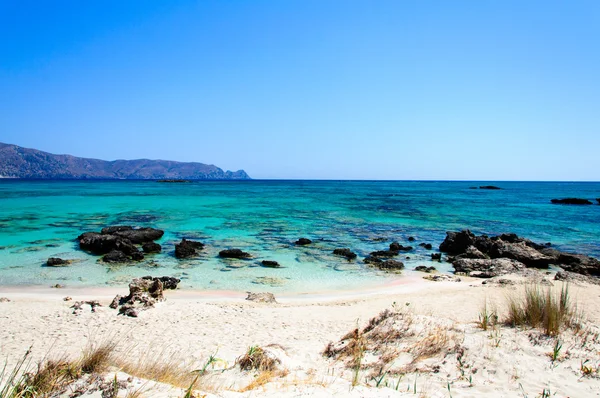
423	268
270	264
121	239
372	260
57	262
384	253
345	252
187	248
390	265
135	235
234	253
426	246
493	187
397	247
116	256
436	256
151	247
571	201
303	241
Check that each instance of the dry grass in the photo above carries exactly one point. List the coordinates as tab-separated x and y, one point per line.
488	317
97	358
256	358
160	367
541	309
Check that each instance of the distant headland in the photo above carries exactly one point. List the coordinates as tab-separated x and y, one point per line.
19	162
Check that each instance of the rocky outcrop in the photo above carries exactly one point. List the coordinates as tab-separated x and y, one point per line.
187	248
487	268
57	262
303	241
151	247
423	268
234	253
427	246
475	253
598	200
390	265
397	247
492	187
261	297
118	243
384	253
571	201
345	252
143	294
436	257
270	264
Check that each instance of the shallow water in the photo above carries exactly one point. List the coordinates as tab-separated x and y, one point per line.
41	219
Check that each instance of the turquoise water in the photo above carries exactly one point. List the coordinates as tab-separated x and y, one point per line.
41	219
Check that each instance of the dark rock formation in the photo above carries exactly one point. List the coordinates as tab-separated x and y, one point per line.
436	256
135	235
116	256
598	200
489	187
57	262
427	246
390	265
169	282
467	247
571	201
411	238
372	260
397	247
234	253
384	253
270	264
143	294
422	268
303	241
349	254
18	162
151	247
187	248
487	268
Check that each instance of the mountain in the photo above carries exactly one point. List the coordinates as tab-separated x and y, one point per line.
18	162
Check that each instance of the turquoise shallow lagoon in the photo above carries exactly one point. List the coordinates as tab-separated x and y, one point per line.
41	219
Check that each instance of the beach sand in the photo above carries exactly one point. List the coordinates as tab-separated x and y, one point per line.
192	325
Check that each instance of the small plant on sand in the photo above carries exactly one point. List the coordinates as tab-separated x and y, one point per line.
256	358
556	350
487	318
542	309
588	370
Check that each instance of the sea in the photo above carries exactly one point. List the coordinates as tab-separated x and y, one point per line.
42	219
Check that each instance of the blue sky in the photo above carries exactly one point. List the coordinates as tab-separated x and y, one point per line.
489	90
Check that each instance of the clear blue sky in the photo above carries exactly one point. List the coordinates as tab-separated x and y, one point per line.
310	88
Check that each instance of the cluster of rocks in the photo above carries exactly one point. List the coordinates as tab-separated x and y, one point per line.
119	244
144	292
188	248
486	257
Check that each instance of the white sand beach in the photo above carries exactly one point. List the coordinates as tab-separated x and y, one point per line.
190	326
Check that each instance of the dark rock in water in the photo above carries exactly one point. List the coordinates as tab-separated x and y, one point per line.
571	201
384	253
411	238
427	246
390	265
270	264
349	254
487	268
234	253
598	200
171	181
422	268
467	246
187	248
489	187
395	246
577	263
372	260
137	256
169	282
303	241
436	256
135	235
151	247
102	243
116	256
457	242
57	262
472	252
